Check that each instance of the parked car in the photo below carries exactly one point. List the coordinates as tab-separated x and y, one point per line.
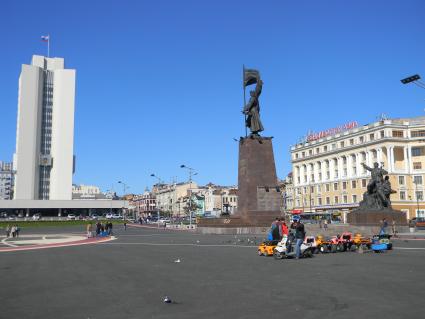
94	217
71	217
116	216
21	215
12	217
109	216
36	216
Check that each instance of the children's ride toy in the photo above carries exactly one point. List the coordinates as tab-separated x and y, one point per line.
381	243
360	242
286	249
312	242
266	248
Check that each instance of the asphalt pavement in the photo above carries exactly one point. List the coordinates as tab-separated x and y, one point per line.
218	276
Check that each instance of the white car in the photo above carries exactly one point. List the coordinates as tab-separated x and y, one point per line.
116	216
109	216
71	217
36	217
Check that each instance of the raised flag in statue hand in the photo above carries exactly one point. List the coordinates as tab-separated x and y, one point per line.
250	76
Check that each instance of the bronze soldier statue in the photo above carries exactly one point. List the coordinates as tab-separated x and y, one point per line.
252	110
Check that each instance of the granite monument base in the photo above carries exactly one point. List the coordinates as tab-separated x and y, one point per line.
364	217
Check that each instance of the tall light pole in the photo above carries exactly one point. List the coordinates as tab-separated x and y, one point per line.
191	173
157	206
125	187
417	197
415	80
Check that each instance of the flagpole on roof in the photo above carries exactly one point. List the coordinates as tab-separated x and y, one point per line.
48	45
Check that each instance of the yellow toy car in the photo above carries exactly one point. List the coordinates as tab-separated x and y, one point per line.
360	241
267	247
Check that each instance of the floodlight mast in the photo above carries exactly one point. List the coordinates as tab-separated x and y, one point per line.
415	80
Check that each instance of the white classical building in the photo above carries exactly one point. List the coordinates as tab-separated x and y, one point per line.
44	158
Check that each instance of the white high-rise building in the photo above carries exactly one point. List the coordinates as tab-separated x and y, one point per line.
44	158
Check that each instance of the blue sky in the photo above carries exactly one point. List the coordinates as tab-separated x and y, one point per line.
159	82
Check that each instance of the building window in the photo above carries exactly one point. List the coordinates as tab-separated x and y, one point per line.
296	155
342	144
344	160
336	199
317	150
325	148
354	198
417	180
417	151
333	146
328	175
311	189
371	137
345	199
344	171
419	195
351	141
335	186
328	187
417	133
320	176
417	165
303	154
397	133
353	184
310	152
364	183
328	201
402	195
361	139
382	134
401	180
344	185
319	201
319	188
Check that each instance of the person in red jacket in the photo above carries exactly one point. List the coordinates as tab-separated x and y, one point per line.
284	229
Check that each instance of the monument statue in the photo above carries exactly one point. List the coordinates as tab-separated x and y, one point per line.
378	191
252	108
376	203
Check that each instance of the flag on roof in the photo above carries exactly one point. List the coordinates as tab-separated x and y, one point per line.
45	38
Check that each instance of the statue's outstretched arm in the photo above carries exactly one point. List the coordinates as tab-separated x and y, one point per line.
258	87
366	167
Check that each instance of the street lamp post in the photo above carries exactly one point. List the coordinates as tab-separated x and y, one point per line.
191	173
157	204
417	197
125	187
413	79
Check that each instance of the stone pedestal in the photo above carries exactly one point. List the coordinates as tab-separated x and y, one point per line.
364	217
259	197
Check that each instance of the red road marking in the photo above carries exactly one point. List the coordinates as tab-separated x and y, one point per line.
162	228
74	243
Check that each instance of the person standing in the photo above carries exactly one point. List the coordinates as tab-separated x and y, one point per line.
384	225
98	228
8	229
325	224
285	230
17	230
125	225
393	228
89	230
299	236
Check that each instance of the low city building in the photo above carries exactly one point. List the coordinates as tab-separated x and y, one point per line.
6	181
87	192
145	203
328	174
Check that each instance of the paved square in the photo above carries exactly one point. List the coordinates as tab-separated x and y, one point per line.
217	277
